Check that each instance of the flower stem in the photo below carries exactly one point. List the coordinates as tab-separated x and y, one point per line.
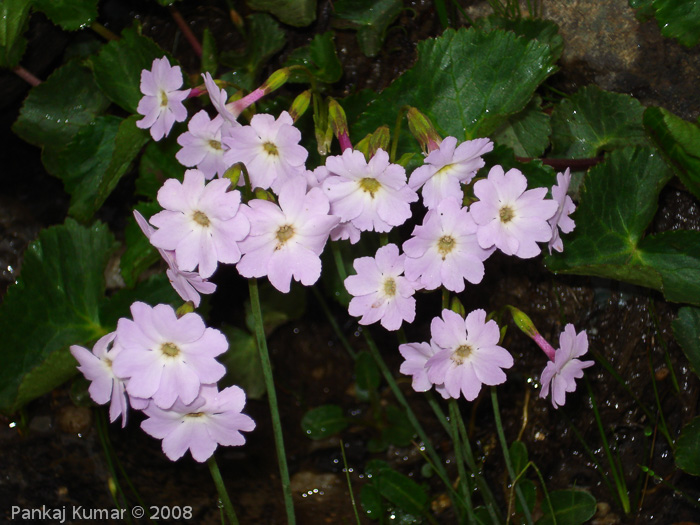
272	399
221	489
463	486
104	32
25	75
189	35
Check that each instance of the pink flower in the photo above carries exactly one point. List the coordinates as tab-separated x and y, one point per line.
562	372
105	386
213	418
448	166
269	149
165	357
188	285
380	292
444	250
286	241
161	105
200	223
373	196
202	146
512	219
218	97
468	355
561	220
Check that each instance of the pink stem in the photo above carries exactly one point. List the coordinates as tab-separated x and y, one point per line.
251	98
344	141
26	76
189	35
197	91
544	345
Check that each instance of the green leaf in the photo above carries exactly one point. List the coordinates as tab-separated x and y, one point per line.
71	15
518	456
298	13
467	82
544	31
117	69
371	502
529	491
644	8
618	201
14	15
571	507
55	303
277	309
323	421
401	491
319	57
158	164
592	121
398	430
679	142
536	173
688	448
54	111
94	161
367	376
371	18
242	362
686	329
679	19
265	38
140	254
527	132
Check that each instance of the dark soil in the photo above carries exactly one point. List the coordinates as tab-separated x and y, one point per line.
51	452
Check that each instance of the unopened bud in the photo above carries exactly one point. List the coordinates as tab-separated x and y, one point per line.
234	174
523	322
339	123
457	307
423	130
363	146
263	195
276	80
300	105
186	308
379	140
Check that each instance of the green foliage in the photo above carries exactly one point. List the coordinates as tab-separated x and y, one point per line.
54	111
297	13
468	82
14	15
323	421
140	254
265	38
371	18
319	57
571	507
55	303
242	362
117	68
679	19
158	164
527	132
367	376
686	330
688	448
679	142
94	161
537	173
154	290
71	15
593	121
544	31
209	54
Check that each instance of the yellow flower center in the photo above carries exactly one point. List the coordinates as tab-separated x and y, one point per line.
461	353
390	287
163	96
169	349
444	170
370	185
215	144
506	214
446	244
194	414
284	233
200	218
270	148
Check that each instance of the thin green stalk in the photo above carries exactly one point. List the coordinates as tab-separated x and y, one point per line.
334	324
591	455
464	480
619	479
442	13
397	133
661	420
272	399
347	477
506	456
660	337
221	489
339	263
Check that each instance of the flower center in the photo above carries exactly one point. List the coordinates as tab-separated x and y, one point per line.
445	245
390	287
270	148
370	185
169	349
506	214
194	414
200	218
215	144
445	170
461	353
163	96
284	233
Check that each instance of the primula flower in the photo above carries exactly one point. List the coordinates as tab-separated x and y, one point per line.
561	373
448	166
512	219
218	97
161	105
380	292
188	285
372	195
286	241
105	386
202	146
166	357
444	249
200	223
269	149
416	355
561	220
213	418
469	354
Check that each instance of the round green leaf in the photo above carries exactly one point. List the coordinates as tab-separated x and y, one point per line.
323	421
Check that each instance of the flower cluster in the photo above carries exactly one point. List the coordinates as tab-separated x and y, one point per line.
167	367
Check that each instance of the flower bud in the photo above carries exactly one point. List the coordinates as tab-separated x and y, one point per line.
300	105
379	140
276	80
423	130
457	307
233	174
339	123
186	308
